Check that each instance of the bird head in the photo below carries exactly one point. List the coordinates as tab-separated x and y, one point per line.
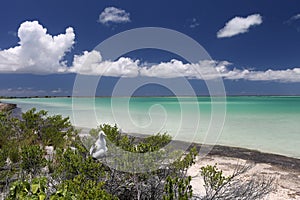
102	134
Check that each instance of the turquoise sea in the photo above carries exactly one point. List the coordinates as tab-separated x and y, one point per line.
266	123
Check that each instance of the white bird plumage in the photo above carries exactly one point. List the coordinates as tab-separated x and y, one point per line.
99	149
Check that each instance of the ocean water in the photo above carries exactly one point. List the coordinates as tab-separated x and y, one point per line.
265	123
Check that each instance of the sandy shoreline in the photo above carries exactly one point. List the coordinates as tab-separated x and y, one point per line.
285	170
287	181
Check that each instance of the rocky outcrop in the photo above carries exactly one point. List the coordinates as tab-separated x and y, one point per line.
7	107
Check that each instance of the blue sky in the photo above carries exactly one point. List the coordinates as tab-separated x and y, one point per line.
254	44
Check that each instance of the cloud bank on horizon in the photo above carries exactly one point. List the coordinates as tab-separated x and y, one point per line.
41	53
239	25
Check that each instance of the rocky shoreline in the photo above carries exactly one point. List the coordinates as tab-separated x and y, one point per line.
255	156
4	107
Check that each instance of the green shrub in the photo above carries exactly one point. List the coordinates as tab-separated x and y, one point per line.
81	188
22	190
178	188
32	159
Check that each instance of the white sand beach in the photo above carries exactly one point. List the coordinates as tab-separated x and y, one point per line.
287	180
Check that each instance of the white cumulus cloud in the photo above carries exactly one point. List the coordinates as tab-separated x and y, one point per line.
114	15
38	52
205	69
239	25
91	63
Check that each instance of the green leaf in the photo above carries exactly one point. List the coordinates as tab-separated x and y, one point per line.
35	188
53	197
42	196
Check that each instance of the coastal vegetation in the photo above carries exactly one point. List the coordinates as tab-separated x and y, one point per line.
45	157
